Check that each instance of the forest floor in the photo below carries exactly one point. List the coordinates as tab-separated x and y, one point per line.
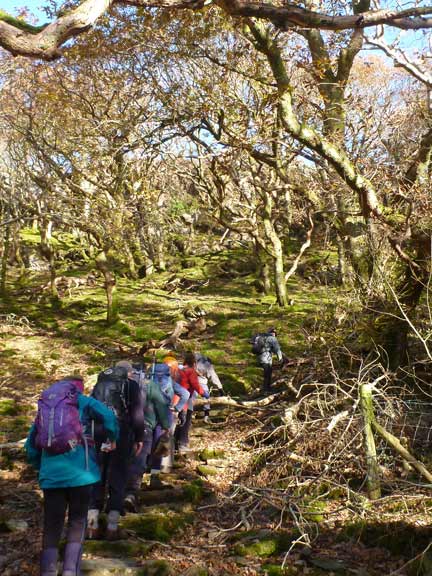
199	525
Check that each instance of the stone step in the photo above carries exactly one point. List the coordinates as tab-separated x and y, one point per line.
109	567
116	567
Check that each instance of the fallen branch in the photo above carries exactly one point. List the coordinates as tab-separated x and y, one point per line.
397	446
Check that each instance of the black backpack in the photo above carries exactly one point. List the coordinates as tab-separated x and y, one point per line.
110	389
259	343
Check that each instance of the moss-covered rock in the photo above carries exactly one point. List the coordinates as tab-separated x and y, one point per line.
263	543
119	549
211	454
260	548
206	470
160	524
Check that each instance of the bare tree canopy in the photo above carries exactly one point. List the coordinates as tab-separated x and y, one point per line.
44	42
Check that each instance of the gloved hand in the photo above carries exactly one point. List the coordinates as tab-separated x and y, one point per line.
206	395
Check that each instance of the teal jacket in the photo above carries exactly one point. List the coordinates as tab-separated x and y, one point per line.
78	467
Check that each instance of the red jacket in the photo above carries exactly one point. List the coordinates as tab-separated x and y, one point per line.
189	380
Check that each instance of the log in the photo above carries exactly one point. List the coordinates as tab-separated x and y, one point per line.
228	401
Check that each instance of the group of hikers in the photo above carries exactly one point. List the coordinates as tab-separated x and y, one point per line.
92	451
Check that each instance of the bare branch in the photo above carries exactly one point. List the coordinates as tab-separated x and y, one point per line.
21	39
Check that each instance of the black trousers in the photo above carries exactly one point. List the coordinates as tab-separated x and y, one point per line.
181	434
114	472
267	376
56	502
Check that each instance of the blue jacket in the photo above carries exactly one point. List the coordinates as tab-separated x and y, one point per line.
78	467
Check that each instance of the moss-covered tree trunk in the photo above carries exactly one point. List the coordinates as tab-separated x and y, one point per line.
102	263
276	252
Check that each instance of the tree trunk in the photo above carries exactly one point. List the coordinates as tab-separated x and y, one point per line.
4	259
372	479
110	288
279	278
49	254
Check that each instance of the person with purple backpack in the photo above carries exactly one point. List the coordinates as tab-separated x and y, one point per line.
60	447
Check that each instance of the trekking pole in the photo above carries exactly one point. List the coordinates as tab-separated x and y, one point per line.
153	365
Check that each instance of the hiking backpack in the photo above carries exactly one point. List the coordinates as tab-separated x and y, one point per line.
110	389
58	425
259	343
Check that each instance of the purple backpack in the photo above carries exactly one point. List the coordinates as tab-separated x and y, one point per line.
58	425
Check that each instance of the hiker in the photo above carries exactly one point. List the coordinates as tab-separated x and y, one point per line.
58	446
264	346
206	372
117	389
189	380
157	393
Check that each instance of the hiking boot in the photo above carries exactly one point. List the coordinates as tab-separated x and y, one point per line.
130	503
207	420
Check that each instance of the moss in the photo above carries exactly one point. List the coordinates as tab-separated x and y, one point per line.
263	543
194	491
261	549
313	512
10	408
159	524
120	549
211	453
206	471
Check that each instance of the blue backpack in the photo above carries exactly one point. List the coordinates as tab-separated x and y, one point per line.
160	374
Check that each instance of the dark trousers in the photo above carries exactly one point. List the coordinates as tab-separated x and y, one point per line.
181	434
114	471
56	502
267	376
138	465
